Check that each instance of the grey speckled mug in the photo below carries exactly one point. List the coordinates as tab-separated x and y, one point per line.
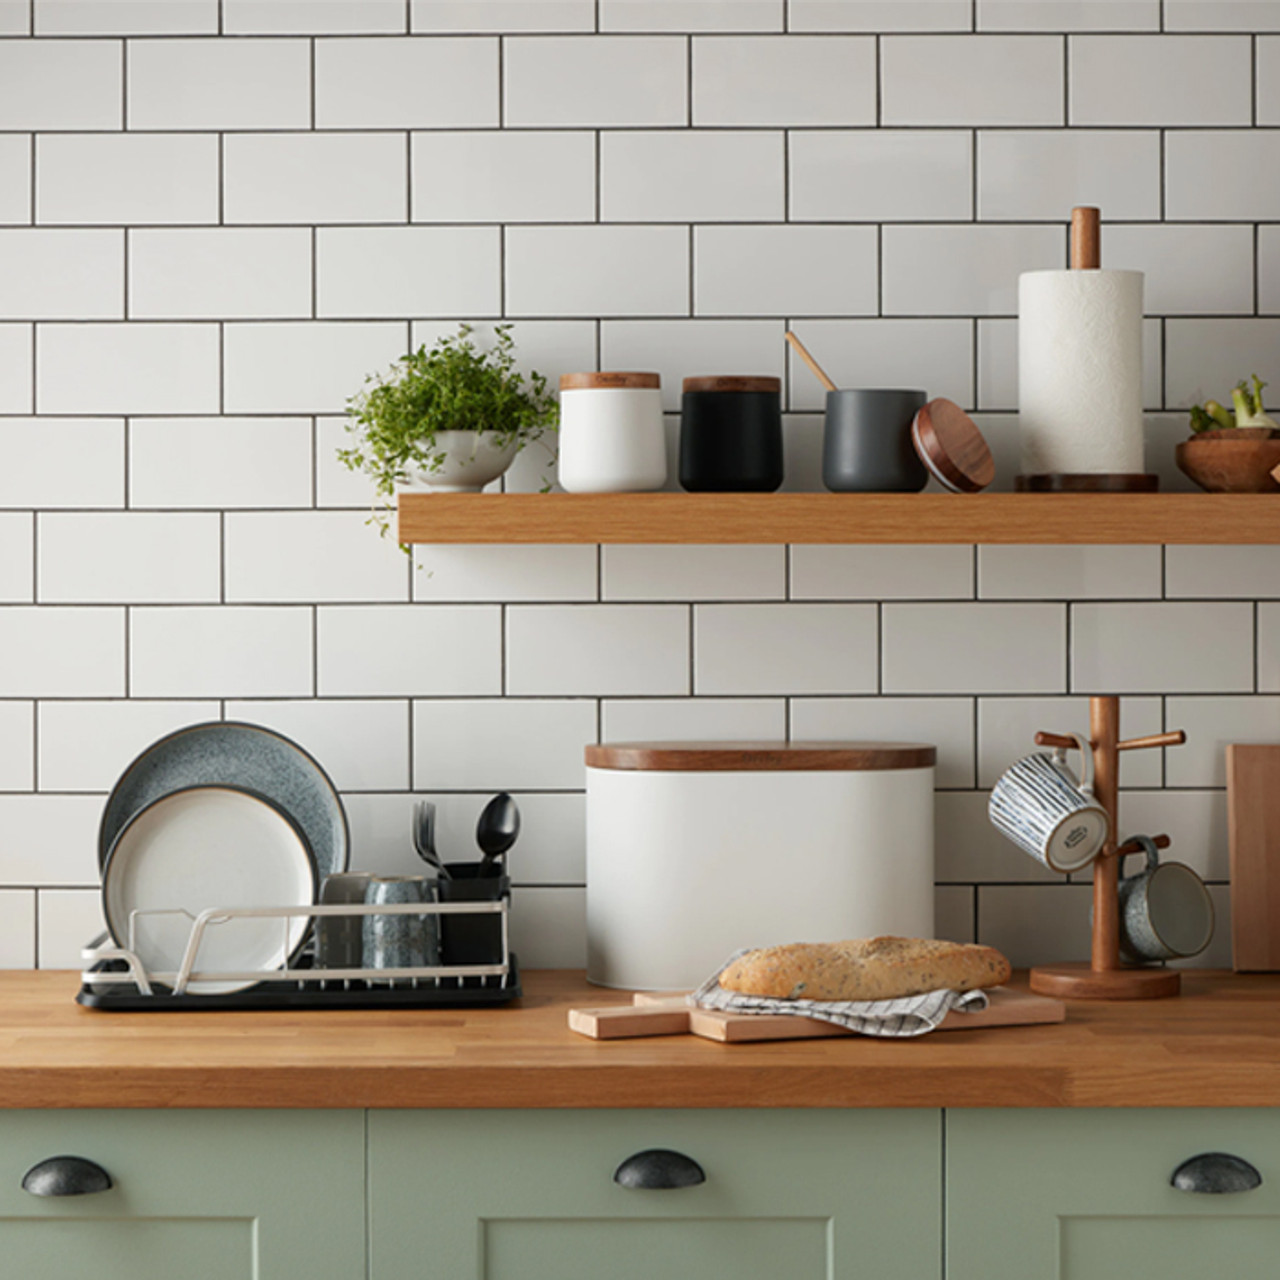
1165	910
402	941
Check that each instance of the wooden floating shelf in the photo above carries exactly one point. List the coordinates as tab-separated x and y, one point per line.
1020	518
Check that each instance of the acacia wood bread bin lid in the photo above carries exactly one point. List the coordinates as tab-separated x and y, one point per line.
760	757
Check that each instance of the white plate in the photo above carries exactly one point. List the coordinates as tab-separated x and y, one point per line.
209	847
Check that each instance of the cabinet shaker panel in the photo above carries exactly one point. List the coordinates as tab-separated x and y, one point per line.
689	1195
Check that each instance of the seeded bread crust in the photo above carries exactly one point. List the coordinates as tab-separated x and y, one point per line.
864	969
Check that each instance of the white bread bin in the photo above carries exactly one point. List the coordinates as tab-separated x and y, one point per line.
696	849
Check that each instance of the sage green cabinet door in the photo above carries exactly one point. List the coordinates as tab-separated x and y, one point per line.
196	1195
1086	1195
789	1195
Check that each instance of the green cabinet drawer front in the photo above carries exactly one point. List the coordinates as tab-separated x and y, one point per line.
207	1195
1086	1195
511	1195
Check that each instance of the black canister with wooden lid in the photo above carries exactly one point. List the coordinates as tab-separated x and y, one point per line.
731	434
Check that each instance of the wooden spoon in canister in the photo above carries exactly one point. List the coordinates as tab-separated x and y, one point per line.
816	368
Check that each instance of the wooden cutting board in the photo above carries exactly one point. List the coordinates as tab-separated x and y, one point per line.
1253	827
652	1015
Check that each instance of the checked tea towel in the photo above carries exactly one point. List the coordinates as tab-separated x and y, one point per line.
905	1016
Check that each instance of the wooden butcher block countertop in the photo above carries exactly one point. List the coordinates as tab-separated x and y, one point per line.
1217	1045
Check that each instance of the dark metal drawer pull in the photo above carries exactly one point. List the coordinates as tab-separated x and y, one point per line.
658	1170
66	1176
1215	1174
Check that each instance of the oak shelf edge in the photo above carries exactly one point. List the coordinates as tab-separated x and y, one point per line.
815	518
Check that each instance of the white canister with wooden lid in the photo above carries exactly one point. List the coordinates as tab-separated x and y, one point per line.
611	435
698	849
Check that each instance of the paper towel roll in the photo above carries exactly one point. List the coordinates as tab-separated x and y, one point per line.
1080	371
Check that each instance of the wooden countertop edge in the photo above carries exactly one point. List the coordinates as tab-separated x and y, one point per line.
633	1088
1218	1046
586	1087
160	1091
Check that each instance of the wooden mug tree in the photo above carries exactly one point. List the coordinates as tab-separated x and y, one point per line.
1104	977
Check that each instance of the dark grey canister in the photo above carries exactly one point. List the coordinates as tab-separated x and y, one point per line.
866	442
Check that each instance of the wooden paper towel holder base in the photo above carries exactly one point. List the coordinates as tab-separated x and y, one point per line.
1104	977
1087	482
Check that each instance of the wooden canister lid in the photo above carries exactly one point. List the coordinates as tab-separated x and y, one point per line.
760	757
589	381
951	446
733	382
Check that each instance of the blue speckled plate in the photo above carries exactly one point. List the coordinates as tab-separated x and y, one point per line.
232	754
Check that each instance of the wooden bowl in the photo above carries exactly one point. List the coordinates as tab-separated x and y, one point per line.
1232	461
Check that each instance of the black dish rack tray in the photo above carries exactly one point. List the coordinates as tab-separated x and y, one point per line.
336	994
114	978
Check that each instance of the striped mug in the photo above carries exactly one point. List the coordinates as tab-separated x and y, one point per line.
1041	806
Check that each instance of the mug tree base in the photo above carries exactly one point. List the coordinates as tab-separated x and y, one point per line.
1080	982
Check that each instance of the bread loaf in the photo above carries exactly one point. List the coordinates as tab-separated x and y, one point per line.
864	969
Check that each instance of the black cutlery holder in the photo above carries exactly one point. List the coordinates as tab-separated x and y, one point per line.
471	939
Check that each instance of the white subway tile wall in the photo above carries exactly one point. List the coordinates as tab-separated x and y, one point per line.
122	17
219	84
218	216
1033	174
227	273
17	536
1069	573
15	178
1118	79
784	80
15	17
1068	15
394	83
127	368
62	274
132	179
132	556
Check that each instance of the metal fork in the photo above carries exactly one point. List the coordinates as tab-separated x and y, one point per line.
424	835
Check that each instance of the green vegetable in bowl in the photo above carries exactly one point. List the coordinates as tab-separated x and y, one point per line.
1248	410
1248	406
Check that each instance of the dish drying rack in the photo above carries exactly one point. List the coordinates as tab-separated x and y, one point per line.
115	978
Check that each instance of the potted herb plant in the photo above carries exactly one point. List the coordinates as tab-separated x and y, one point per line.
1233	450
452	418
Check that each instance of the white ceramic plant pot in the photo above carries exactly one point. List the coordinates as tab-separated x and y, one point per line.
472	459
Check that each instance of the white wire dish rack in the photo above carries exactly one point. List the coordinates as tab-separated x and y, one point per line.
115	977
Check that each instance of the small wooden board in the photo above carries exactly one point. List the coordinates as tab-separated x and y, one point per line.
1253	826
662	1015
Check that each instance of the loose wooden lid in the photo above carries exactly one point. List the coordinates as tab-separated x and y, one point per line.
760	757
587	381
952	447
733	382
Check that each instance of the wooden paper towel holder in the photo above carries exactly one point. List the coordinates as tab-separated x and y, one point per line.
1104	977
1086	255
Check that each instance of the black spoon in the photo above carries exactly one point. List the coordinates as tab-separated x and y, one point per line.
496	830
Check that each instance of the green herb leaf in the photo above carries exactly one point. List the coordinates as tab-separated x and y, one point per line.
453	387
